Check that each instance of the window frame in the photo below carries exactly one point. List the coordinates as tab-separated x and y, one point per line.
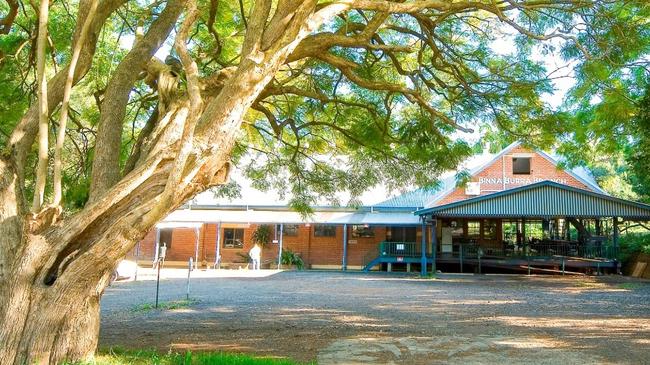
235	238
470	228
489	223
324	230
286	233
357	231
521	172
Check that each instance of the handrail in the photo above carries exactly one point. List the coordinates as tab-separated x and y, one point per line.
402	249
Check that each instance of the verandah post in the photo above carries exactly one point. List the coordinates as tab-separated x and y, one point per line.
217	255
434	245
344	259
157	245
280	246
196	246
423	260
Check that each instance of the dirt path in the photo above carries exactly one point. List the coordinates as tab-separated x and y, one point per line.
354	318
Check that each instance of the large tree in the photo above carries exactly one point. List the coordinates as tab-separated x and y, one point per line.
311	97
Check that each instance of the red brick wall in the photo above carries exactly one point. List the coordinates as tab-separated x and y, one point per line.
315	251
541	169
358	251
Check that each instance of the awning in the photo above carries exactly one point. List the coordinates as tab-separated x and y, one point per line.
270	217
545	199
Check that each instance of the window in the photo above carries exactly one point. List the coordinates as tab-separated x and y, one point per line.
288	230
233	238
474	229
401	234
166	237
321	230
456	228
362	231
490	230
521	165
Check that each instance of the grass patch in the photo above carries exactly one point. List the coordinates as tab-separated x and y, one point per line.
174	304
149	357
590	284
630	286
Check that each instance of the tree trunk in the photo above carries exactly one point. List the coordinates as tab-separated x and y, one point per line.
44	323
53	273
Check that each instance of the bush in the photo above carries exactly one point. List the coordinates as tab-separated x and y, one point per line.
262	235
291	258
631	244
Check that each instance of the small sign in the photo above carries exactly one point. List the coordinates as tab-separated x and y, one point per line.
399	247
352	242
400	259
275	241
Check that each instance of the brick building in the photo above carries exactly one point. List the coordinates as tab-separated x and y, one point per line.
390	233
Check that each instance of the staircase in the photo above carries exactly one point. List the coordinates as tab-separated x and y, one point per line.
393	252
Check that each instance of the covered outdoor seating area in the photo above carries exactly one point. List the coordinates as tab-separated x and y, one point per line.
541	227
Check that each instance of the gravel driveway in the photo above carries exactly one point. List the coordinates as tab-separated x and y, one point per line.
357	318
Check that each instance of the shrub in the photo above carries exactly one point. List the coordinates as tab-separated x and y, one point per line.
631	244
291	258
262	235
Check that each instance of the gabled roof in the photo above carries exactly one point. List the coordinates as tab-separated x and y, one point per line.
545	199
424	198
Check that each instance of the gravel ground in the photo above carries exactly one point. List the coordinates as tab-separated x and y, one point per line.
356	318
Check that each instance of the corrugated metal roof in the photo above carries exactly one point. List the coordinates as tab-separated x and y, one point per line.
178	217
412	199
543	199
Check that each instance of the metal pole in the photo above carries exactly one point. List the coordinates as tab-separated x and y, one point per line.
280	247
189	270
344	260
217	255
158	283
423	259
562	266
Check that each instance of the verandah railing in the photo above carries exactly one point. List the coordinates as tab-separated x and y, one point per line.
471	251
539	250
400	249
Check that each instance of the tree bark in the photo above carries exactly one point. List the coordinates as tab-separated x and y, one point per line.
106	163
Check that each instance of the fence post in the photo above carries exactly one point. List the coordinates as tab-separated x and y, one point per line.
461	257
562	266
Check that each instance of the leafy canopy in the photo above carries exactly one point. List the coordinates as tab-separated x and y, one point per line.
374	95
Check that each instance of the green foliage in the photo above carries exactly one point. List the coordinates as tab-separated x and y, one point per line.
638	151
631	286
631	244
116	356
291	258
171	305
262	234
334	134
